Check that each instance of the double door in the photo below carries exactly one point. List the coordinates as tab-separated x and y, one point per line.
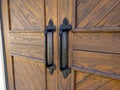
62	44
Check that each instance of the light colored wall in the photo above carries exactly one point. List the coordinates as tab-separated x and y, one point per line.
2	75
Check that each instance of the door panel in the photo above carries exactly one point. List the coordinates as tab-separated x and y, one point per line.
86	81
27	38
97	42
28	73
27	51
98	63
27	15
30	45
90	13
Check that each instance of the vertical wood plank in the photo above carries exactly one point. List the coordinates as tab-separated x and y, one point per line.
51	13
65	10
5	16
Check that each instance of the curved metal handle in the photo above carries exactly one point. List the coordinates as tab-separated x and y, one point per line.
64	29
49	47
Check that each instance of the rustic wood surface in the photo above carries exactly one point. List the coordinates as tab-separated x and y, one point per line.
103	62
86	81
26	14
65	10
94	44
5	18
95	13
28	74
99	42
24	24
51	13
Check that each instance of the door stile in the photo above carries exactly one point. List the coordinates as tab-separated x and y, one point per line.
51	13
9	62
65	10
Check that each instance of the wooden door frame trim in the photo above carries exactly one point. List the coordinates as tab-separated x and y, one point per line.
3	48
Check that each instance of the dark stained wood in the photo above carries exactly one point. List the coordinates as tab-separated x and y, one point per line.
85	81
100	42
28	74
26	14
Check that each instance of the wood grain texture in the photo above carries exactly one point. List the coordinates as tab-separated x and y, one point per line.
96	49
5	18
97	54
112	19
100	42
65	10
30	51
51	13
85	81
23	24
27	38
29	74
27	14
98	62
29	45
97	13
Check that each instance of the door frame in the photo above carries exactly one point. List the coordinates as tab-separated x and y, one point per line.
2	52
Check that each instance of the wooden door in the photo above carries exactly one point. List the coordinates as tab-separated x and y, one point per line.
94	44
24	23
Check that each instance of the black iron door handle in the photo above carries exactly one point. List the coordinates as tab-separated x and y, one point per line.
64	29
49	58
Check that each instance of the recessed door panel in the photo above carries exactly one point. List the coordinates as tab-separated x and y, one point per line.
26	15
28	74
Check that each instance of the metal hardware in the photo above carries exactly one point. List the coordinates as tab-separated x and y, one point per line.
64	29
49	47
